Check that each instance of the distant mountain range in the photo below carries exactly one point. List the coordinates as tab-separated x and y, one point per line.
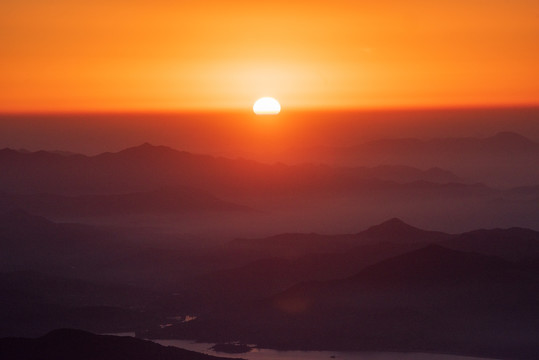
200	189
105	254
295	245
281	261
494	160
512	244
147	167
279	255
178	200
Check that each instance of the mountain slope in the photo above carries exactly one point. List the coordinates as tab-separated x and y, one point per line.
431	300
178	200
69	344
493	160
396	230
294	245
147	167
511	244
32	242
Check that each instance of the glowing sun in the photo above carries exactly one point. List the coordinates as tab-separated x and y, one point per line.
267	106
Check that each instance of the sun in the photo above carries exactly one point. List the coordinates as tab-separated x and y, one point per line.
267	106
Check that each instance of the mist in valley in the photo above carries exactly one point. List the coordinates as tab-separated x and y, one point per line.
407	232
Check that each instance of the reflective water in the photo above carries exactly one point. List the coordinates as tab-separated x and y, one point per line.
267	354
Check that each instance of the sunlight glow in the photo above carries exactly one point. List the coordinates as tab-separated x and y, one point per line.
267	106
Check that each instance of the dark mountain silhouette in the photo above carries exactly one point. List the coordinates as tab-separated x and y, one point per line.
511	244
138	257
103	254
294	245
411	174
39	318
396	230
318	257
32	304
71	344
493	160
178	200
32	287
147	167
510	142
388	287
431	300
33	242
309	257
135	181
399	303
266	276
432	265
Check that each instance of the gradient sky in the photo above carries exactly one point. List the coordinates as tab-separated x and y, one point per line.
102	55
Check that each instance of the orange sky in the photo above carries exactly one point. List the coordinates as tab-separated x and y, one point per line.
102	55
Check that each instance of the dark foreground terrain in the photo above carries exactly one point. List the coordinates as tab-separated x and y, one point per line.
429	300
390	287
177	245
67	344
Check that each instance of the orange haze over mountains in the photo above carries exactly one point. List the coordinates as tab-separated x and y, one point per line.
114	55
390	208
244	134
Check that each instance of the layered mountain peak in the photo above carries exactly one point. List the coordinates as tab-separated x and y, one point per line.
510	136
393	223
508	140
396	230
147	148
394	226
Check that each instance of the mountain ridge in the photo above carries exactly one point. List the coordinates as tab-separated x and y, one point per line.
69	344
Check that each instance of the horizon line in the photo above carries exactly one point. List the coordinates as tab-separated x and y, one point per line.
284	111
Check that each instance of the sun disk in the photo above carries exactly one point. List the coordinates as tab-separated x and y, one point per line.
267	106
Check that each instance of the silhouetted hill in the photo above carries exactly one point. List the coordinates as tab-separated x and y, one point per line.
140	257
493	160
317	257
236	286
404	174
178	200
424	269
29	242
32	304
510	142
126	182
33	242
33	287
294	245
322	257
396	230
432	265
67	344
431	300
147	167
512	244
263	277
501	144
